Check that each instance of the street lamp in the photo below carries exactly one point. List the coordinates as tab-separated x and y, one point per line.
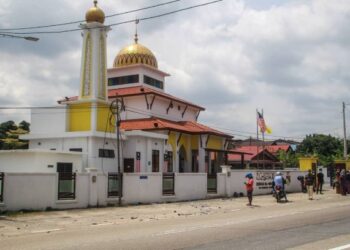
28	38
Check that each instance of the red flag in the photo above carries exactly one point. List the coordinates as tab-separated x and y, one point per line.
261	123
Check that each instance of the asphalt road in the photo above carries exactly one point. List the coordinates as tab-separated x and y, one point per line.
320	224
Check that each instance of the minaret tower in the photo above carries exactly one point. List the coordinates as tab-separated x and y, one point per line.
93	80
91	110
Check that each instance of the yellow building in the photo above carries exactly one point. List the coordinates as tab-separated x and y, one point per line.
341	164
308	163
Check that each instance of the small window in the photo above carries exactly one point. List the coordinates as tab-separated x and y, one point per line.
170	162
64	167
76	149
155	161
106	153
115	81
153	82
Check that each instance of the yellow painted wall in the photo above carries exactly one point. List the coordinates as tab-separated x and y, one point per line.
105	119
183	141
194	142
305	163
172	141
215	142
347	163
79	116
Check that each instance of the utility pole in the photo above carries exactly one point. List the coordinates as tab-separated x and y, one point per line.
116	109
257	139
345	138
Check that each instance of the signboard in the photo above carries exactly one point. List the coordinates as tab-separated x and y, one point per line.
264	180
143	177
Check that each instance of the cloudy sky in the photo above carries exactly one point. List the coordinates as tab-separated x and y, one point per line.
290	58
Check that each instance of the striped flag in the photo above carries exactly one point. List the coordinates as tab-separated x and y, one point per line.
262	124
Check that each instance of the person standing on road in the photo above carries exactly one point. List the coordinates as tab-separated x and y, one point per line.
249	185
320	181
347	178
309	182
336	183
343	186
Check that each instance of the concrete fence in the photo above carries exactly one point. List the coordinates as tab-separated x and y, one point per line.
39	191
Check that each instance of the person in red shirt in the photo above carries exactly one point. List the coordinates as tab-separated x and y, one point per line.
249	185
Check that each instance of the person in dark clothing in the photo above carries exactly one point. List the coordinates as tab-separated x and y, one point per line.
301	179
320	181
343	186
347	179
309	182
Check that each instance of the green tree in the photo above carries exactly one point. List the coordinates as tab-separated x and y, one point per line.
9	135
326	147
24	125
289	159
7	126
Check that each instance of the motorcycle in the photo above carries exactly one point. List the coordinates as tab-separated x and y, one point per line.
279	193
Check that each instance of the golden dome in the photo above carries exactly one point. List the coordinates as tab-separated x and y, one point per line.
135	54
95	14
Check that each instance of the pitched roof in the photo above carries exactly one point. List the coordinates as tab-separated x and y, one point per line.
275	148
154	123
136	91
141	90
255	150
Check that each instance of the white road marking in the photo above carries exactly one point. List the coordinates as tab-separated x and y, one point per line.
235	210
46	231
341	247
103	224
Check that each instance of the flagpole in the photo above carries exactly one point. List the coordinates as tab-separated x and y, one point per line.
263	137
257	139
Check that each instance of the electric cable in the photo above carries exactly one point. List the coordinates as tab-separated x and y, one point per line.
116	24
107	16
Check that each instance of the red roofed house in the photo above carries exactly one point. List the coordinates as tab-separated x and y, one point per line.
257	157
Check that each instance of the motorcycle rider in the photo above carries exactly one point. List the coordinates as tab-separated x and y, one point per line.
280	181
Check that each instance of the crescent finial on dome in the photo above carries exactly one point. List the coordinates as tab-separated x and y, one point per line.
136	35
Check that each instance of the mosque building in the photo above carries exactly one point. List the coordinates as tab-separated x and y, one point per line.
159	132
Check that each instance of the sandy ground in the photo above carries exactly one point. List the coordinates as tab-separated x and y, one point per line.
47	222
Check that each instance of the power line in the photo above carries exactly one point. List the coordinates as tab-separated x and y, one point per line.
233	132
108	16
119	23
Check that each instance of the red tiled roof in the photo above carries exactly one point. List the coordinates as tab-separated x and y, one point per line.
140	90
275	148
154	123
135	91
254	150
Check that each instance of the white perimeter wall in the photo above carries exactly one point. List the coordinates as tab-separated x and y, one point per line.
262	181
38	191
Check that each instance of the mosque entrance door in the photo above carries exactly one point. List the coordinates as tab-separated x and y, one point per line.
182	159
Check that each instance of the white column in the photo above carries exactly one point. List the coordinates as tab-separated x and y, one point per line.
93	187
93	116
176	154
201	155
149	155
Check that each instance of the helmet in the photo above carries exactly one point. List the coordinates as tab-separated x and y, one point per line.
249	175
278	173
